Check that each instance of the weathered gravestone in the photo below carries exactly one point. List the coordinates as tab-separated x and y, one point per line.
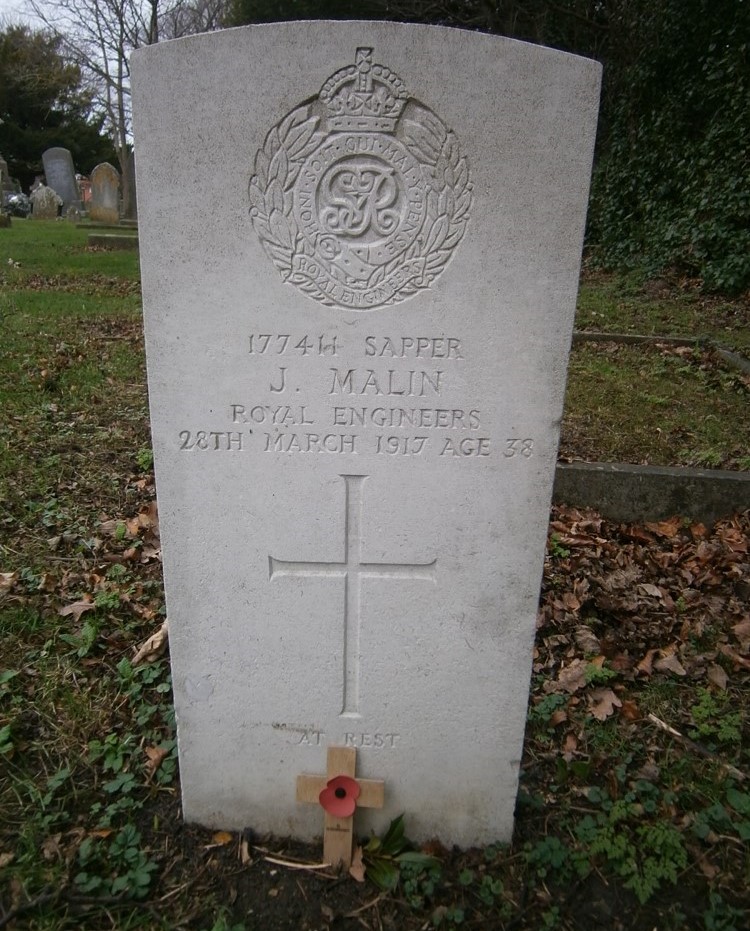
104	206
359	285
45	203
130	198
60	176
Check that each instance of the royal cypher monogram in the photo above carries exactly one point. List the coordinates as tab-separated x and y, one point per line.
360	197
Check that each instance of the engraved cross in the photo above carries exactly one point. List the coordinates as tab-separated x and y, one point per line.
352	570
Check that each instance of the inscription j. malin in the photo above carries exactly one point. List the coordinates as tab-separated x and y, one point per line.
361	197
352	570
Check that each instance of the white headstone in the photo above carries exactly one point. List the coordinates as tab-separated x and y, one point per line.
356	373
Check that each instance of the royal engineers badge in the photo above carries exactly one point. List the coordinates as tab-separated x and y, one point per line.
361	197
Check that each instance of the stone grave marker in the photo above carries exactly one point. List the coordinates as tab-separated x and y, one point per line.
104	206
359	288
130	204
60	175
45	203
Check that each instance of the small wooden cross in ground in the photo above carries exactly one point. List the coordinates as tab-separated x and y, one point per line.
338	837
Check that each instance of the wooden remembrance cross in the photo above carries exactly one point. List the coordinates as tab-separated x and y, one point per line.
341	761
338	835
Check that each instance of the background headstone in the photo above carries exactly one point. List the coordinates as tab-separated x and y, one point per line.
104	206
45	203
359	289
60	175
130	199
5	184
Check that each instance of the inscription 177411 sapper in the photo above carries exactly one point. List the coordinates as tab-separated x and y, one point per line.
361	197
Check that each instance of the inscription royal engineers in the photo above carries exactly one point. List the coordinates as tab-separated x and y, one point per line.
361	197
274	425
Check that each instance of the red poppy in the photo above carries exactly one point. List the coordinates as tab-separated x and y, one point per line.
339	798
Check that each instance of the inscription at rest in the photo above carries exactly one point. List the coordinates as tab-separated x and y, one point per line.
375	741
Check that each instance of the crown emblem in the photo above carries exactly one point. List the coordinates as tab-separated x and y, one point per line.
361	195
363	97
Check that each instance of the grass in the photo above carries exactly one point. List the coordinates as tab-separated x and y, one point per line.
658	405
620	825
613	304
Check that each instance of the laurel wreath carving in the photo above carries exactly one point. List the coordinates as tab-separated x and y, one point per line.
284	152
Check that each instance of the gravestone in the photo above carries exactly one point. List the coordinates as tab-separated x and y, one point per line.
45	203
5	184
359	287
60	176
105	194
130	203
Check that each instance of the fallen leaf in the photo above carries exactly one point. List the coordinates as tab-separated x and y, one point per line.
6	858
221	838
148	517
150	552
570	601
558	717
6	581
668	662
735	658
76	609
357	869
154	647
698	531
115	528
646	664
649	771
666	528
630	710
51	847
717	675
742	632
707	868
653	590
602	703
156	756
572	677
586	640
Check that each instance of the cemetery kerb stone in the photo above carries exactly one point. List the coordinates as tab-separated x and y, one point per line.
359	285
60	175
104	206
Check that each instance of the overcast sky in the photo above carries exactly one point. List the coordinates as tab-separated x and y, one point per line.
11	10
